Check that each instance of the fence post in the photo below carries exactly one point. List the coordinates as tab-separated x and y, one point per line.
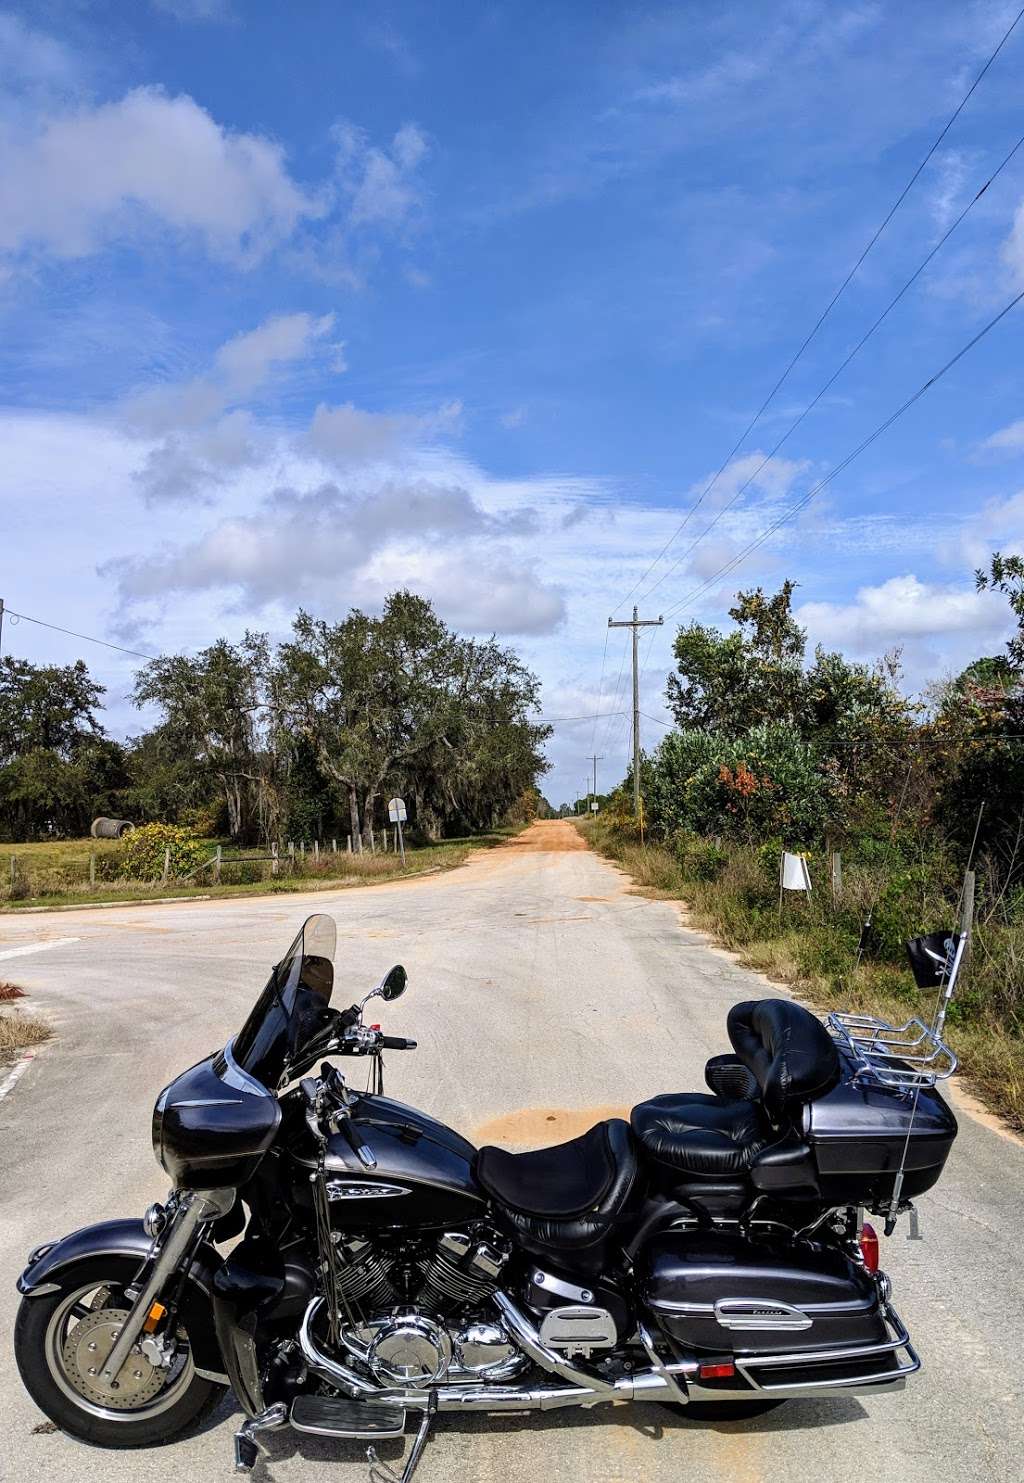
274	863
373	842
316	851
291	857
14	872
837	877
167	864
334	846
92	867
349	846
216	864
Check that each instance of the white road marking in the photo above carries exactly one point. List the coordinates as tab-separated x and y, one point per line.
11	1079
36	947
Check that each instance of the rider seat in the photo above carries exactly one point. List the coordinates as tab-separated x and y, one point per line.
784	1058
566	1196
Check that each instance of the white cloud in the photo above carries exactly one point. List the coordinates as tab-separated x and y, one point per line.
772	477
1013	247
81	179
1008	441
348	435
513	418
195	10
32	60
381	182
248	359
900	610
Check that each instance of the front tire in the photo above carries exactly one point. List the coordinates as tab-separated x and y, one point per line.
60	1342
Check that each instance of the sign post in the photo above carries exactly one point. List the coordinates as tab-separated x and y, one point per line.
398	816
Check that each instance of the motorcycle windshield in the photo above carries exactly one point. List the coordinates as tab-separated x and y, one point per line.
292	1009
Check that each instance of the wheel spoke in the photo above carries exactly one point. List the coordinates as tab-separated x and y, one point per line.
80	1310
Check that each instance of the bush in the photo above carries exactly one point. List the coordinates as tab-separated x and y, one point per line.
142	853
705	860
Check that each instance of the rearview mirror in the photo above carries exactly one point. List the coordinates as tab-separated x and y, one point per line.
394	982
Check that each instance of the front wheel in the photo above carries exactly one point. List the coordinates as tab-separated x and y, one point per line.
61	1342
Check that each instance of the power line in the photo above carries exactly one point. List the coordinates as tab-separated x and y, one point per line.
86	637
838	371
805	500
826	312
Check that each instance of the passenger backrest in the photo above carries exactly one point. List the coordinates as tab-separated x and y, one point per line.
788	1051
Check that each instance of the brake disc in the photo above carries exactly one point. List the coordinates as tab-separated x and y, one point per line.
85	1353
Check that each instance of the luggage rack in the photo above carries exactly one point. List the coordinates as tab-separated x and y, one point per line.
904	1058
911	1057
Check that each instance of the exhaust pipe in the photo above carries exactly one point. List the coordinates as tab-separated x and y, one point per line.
582	1390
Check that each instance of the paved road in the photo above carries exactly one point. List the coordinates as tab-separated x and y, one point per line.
543	996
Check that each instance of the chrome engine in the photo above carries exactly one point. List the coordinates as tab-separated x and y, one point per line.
415	1316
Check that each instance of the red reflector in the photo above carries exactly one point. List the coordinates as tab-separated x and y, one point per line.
869	1247
716	1372
375	1027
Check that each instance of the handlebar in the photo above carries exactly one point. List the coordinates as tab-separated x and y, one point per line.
396	1042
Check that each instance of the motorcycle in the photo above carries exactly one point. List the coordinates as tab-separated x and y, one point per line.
711	1253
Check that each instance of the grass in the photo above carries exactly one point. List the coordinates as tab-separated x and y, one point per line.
17	1031
48	873
812	948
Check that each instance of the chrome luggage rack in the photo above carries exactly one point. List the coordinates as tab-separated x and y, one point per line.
902	1057
910	1057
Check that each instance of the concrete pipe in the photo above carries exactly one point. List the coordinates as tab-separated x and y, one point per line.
111	828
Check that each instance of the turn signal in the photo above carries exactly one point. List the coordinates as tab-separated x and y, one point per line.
716	1372
869	1247
153	1317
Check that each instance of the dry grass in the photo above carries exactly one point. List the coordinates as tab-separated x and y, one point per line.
10	991
57	874
809	952
20	1030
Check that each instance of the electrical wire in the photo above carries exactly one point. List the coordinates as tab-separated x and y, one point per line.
86	637
861	447
827	310
838	371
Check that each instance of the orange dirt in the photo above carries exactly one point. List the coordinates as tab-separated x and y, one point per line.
547	837
539	1126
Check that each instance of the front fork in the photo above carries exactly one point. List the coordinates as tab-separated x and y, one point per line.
174	1243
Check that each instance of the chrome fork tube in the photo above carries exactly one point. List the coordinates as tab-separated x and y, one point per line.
173	1249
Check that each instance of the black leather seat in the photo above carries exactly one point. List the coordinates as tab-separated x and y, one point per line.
784	1059
702	1135
565	1196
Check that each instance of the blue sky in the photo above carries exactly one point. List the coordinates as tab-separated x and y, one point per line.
299	304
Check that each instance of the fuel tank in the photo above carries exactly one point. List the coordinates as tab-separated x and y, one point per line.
213	1124
422	1176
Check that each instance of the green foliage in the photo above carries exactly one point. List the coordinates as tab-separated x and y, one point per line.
142	851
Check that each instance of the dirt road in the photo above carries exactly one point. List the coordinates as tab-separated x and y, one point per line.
543	996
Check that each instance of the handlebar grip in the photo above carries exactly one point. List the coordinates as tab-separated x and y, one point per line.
396	1042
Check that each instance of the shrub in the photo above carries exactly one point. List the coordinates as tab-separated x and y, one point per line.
142	854
706	861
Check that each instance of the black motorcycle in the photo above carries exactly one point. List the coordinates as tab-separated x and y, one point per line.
711	1253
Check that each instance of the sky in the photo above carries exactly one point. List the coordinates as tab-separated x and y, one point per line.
302	304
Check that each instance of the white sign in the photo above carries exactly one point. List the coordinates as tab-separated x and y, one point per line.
594	807
795	875
396	811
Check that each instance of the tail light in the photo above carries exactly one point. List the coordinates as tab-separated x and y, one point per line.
869	1247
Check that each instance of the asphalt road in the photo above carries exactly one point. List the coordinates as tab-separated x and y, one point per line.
543	996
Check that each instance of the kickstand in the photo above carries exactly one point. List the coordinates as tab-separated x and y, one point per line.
380	1472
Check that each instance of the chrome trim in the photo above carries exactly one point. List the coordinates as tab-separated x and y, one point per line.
759	1315
549	1283
895	1377
349	1189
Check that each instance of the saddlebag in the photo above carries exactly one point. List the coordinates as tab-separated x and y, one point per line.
789	1317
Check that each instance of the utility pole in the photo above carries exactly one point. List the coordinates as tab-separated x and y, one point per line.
636	624
595	760
1	624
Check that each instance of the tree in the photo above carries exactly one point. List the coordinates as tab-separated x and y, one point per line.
730	682
57	769
214	718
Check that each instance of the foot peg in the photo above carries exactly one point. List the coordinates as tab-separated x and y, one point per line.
247	1449
380	1472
